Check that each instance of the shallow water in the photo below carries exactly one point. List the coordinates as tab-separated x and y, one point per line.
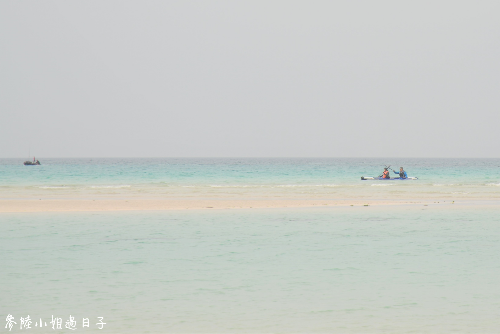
248	178
358	270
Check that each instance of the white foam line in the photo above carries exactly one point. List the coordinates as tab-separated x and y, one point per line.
110	187
273	186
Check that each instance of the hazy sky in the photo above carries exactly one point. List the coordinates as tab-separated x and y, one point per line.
250	78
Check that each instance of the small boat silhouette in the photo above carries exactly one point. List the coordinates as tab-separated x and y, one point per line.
32	163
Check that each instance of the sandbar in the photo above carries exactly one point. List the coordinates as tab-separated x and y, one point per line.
81	205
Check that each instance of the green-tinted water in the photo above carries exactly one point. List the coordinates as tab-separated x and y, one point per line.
369	269
248	178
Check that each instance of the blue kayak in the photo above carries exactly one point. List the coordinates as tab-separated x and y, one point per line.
391	179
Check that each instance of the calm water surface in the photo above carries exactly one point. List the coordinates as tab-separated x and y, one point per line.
248	178
358	270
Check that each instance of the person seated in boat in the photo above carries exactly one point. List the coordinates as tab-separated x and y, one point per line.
37	162
386	174
402	173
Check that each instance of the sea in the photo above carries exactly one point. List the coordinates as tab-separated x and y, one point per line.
248	178
408	268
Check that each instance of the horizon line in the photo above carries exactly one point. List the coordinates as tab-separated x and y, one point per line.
250	157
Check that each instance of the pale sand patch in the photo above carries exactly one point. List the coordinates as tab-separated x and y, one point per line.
75	205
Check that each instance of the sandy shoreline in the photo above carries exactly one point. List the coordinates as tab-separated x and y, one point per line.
82	205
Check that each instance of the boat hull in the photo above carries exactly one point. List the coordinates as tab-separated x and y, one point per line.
378	178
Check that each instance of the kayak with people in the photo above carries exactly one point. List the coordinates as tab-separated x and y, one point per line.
402	175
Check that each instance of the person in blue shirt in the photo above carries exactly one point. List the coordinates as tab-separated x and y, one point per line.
402	173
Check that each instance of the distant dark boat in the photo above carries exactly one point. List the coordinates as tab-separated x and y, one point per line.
30	163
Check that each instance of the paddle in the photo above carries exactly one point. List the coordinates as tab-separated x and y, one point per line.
389	167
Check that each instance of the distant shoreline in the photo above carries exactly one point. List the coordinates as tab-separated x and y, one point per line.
86	205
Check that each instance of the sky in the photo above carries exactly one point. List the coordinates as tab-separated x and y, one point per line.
249	78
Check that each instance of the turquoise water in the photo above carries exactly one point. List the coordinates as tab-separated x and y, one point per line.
399	269
355	269
248	178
